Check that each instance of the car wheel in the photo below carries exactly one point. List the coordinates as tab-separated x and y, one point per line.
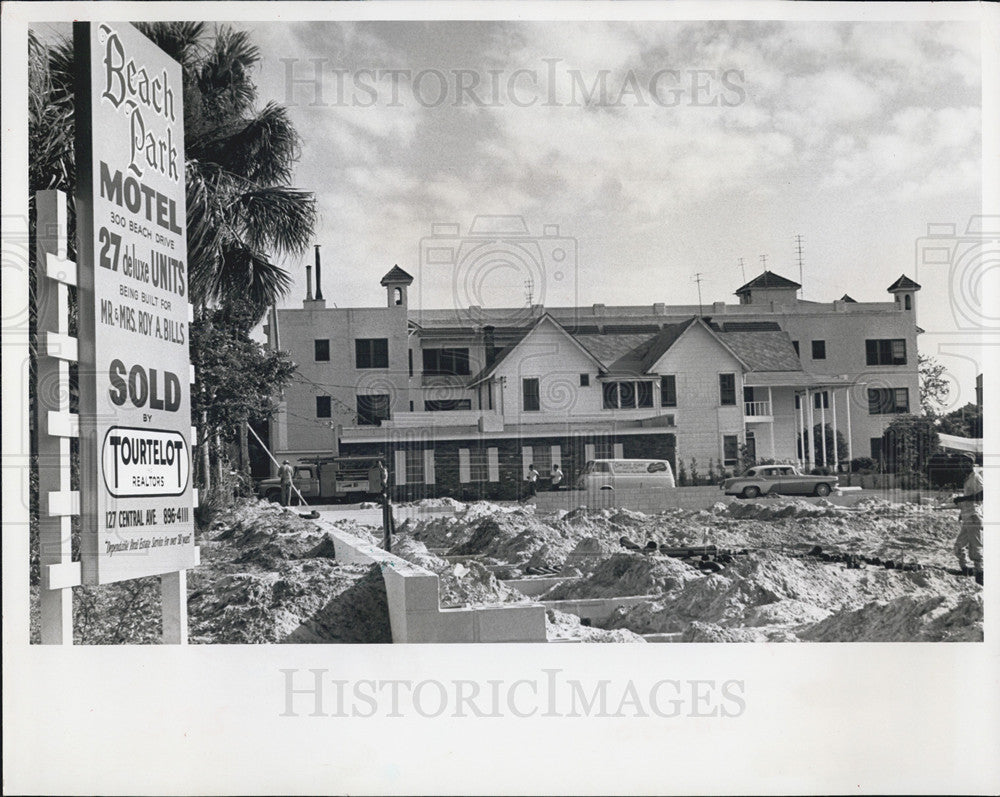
273	495
750	492
607	487
822	490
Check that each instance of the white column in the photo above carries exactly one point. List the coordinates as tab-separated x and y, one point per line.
850	443
822	423
833	412
801	433
770	405
810	459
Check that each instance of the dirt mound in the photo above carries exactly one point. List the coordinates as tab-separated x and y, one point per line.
777	510
460	584
627	574
562	626
443	530
709	632
359	614
515	538
918	618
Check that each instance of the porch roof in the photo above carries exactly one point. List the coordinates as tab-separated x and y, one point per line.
797	379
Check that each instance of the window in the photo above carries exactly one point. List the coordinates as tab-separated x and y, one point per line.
414	465
373	409
321	350
821	401
795	345
409	353
907	302
530	401
627	395
727	390
446	361
798	401
876	444
371	353
444	405
479	470
323	407
541	458
730	450
668	391
887	351
819	349
584	380
888	401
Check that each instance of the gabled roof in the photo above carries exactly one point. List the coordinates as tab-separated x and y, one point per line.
502	354
904	283
847	298
764	351
670	335
395	276
767	280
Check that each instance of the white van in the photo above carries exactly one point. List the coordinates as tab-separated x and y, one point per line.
623	474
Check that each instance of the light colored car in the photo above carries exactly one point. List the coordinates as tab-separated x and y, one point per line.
778	480
621	474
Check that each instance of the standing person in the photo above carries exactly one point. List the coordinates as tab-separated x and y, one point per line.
970	518
531	479
378	482
285	472
557	477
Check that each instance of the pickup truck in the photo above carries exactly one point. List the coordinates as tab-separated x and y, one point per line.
334	479
777	480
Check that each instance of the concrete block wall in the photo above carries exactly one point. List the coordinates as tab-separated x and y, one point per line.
415	613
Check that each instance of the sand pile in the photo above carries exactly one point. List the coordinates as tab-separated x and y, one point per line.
460	584
777	593
516	539
447	530
918	618
776	510
627	574
560	626
359	614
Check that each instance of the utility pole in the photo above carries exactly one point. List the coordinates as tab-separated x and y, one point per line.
798	252
697	279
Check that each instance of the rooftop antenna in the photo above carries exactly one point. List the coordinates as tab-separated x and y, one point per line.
743	271
763	259
529	290
798	253
697	279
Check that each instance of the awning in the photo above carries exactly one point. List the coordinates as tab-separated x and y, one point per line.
796	379
972	445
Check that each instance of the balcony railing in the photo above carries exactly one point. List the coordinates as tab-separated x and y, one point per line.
757	409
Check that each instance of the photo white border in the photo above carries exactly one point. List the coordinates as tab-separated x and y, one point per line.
867	718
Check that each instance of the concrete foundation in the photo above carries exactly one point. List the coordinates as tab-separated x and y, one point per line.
596	610
415	613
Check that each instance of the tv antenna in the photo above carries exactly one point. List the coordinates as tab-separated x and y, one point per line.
529	290
798	253
697	279
743	271
763	259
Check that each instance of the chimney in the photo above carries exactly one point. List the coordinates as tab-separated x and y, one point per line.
309	283
319	283
490	344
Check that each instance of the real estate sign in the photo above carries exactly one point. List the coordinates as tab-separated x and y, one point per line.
135	374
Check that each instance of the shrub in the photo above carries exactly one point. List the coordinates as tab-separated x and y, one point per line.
862	465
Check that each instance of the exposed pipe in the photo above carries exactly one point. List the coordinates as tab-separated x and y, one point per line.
319	283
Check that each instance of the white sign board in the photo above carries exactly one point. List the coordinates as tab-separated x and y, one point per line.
135	393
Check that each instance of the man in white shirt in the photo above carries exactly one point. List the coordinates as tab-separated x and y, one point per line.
970	516
557	476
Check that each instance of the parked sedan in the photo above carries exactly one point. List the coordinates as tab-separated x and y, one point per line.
778	480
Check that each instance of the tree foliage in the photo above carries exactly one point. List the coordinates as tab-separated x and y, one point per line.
934	388
966	421
909	442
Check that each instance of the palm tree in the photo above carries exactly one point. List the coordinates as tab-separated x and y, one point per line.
241	212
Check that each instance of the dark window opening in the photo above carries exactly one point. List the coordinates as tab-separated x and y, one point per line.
887	351
531	401
409	353
668	391
321	350
446	361
819	349
371	352
323	407
888	401
373	409
730	450
821	401
727	390
584	380
444	405
627	395
795	345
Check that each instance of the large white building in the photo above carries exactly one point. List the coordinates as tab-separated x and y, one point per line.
461	402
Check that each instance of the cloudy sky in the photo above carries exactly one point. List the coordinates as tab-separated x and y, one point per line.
660	150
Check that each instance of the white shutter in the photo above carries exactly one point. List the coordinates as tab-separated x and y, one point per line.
493	464
619	451
526	460
399	477
428	466
589	451
464	468
557	455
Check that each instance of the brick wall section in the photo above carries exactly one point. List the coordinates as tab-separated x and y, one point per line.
511	485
